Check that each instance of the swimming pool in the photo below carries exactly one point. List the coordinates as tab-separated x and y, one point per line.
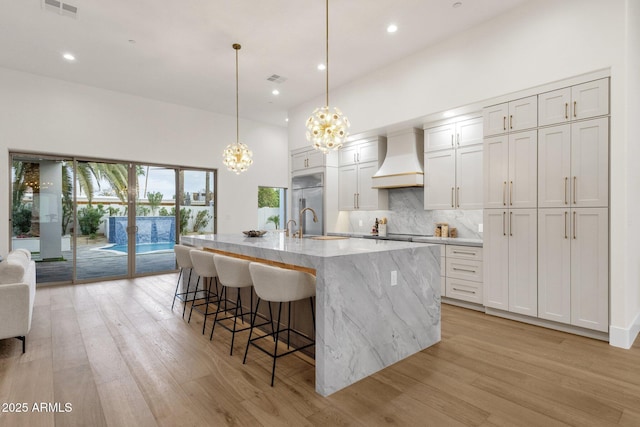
141	248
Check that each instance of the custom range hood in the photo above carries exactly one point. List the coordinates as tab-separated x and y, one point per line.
403	164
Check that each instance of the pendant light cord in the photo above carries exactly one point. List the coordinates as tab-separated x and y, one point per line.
237	47
327	46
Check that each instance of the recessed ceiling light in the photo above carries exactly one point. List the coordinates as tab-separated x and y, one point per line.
68	57
322	67
392	28
456	4
287	119
275	92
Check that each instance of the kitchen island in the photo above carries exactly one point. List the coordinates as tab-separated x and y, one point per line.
377	301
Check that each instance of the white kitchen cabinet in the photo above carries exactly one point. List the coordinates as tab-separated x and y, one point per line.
583	101
303	160
514	116
453	166
511	177
590	268
573	275
510	260
359	161
573	165
464	273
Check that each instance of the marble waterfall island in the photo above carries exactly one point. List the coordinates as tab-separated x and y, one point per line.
363	322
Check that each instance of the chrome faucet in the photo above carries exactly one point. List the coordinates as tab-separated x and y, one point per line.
288	222
315	219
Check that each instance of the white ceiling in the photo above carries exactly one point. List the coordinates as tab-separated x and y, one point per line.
182	52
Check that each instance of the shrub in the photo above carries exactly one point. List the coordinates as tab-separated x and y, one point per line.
21	219
201	221
89	219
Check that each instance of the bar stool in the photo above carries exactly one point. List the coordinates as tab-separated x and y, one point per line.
275	284
183	259
205	268
232	273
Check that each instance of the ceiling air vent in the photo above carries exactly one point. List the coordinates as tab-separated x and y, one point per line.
60	8
276	78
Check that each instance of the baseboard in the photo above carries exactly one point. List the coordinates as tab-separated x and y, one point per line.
463	304
602	336
624	337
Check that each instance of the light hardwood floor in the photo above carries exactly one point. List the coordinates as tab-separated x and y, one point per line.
120	357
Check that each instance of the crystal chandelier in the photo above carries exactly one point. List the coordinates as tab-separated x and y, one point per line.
237	156
327	127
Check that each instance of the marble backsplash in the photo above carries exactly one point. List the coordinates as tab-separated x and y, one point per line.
406	215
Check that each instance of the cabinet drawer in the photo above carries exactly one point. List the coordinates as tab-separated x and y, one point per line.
464	269
464	252
464	290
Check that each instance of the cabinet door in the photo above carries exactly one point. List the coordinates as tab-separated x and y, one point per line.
495	119
439	138
439	179
554	265
348	155
496	171
523	265
315	158
469	177
590	163
553	107
554	166
590	268
298	161
590	99
369	198
469	132
496	259
523	114
368	152
347	187
523	170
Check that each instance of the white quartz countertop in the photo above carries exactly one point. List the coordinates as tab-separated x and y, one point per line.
306	246
430	239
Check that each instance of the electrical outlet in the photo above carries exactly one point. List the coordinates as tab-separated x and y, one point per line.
479	228
394	278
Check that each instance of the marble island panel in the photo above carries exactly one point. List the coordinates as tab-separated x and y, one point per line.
364	322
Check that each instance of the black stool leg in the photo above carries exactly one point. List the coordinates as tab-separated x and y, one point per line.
275	351
253	322
206	308
193	301
184	309
175	294
235	319
24	343
215	319
313	316
289	326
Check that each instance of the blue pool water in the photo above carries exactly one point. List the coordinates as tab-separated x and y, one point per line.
141	248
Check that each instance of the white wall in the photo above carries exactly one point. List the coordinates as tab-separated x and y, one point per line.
51	116
538	43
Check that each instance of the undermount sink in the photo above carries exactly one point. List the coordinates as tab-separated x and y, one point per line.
329	237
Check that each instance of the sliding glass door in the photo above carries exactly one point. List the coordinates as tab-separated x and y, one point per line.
88	220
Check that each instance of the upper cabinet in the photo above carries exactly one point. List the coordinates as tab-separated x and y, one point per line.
453	165
512	116
578	102
309	158
359	161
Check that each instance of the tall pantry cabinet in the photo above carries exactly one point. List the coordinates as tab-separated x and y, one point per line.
560	268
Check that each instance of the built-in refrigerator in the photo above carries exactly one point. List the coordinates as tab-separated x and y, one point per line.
308	192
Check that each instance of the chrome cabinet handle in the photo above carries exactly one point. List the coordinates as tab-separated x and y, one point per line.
458	197
566	110
354	201
463	269
575	105
464	290
575	189
511	121
463	253
510	217
565	223
504	233
575	219
504	122
458	139
358	156
504	193
354	157
358	200
510	193
452	140
566	182
452	204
